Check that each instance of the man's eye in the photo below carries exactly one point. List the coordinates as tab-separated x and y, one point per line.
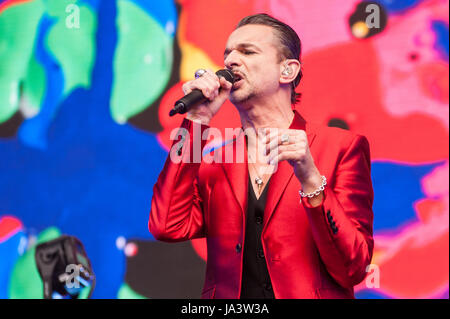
248	52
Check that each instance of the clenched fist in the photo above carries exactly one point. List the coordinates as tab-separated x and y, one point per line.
292	146
215	89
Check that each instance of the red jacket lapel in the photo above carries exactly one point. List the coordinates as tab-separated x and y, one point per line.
237	171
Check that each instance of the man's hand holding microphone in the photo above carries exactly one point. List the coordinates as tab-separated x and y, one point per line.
205	95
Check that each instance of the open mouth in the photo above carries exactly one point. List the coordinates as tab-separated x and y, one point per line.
238	78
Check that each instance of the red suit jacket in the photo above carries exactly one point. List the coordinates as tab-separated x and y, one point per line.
311	252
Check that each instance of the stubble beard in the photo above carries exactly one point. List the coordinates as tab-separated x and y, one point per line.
240	97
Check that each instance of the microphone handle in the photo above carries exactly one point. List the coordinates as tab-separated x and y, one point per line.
196	96
181	106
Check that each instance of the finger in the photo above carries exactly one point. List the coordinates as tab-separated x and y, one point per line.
283	156
208	88
186	88
197	84
207	83
274	139
275	133
295	137
270	134
224	87
213	84
211	73
205	88
225	84
271	146
212	78
280	149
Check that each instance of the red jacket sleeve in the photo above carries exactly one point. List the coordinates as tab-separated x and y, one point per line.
176	213
342	224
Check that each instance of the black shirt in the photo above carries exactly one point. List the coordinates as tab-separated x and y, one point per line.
256	282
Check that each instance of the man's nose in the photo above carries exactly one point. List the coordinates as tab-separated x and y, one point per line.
232	60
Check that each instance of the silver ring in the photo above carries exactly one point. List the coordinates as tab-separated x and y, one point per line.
284	139
199	73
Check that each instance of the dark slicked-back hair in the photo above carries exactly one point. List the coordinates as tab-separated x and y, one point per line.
291	46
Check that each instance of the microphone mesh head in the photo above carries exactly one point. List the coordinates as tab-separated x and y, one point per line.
227	74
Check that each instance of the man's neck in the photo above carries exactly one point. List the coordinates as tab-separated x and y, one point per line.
256	117
266	116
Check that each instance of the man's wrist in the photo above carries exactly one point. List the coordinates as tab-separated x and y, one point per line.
199	119
312	183
312	190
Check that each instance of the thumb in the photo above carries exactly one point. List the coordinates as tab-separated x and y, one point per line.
225	87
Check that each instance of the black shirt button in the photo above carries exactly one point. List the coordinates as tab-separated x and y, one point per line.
259	220
261	253
238	248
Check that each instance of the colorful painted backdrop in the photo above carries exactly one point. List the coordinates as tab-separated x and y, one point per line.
85	89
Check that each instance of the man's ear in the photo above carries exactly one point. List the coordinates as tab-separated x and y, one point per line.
289	70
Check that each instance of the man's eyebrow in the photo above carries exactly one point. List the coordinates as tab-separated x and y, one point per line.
240	46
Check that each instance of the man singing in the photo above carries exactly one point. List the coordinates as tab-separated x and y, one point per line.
294	223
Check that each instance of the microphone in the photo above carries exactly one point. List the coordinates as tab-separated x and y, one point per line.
65	268
196	96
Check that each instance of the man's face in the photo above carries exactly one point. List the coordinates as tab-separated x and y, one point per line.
252	54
